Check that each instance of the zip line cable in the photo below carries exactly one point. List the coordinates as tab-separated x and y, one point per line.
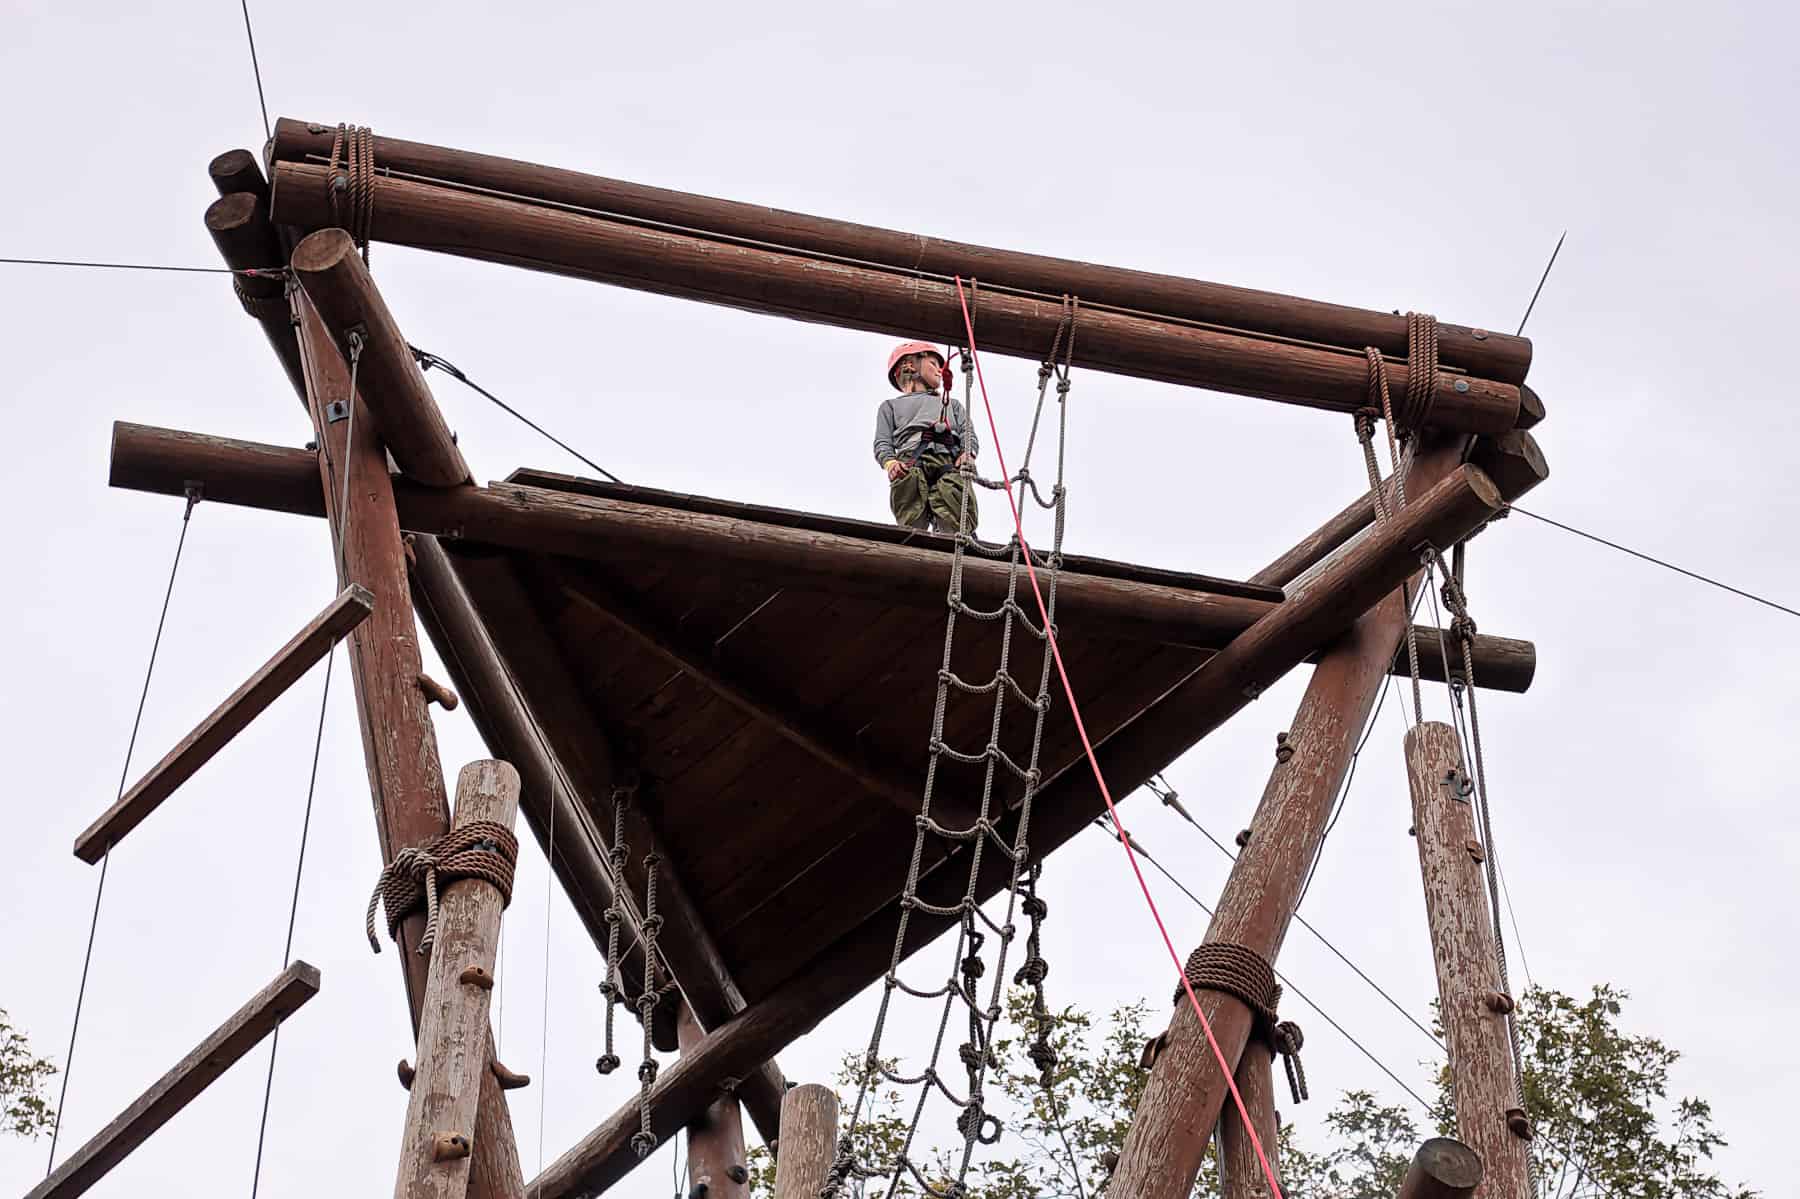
257	67
193	497
427	360
137	266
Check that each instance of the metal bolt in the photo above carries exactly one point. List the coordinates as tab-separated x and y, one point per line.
1479	334
1461	385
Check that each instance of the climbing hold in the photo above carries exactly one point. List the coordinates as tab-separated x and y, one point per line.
449	1146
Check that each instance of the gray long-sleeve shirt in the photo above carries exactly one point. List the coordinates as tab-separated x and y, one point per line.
902	422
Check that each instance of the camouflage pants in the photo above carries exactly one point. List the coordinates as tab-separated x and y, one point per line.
930	496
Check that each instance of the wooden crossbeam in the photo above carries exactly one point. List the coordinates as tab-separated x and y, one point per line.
179	1087
211	735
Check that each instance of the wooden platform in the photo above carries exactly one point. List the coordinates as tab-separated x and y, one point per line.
735	748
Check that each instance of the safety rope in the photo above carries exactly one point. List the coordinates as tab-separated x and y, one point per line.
352	187
481	849
977	1125
1249	977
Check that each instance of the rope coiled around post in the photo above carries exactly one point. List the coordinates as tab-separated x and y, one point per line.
1248	977
481	849
350	175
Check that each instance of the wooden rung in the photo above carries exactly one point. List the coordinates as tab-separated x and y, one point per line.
176	1089
229	719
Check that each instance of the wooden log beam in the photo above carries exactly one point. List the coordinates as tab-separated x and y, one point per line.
1472	1004
392	385
240	228
238	171
716	1163
1240	1172
484	652
180	1086
495	230
809	1134
1514	461
1442	1169
406	781
270	682
145	458
836	752
1495	355
438	1139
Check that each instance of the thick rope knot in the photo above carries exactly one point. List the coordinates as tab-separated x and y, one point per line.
481	849
1247	976
643	1144
1032	972
1366	417
1044	1057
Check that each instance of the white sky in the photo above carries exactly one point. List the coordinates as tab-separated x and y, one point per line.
1395	156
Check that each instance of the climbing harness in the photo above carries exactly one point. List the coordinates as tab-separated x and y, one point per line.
963	986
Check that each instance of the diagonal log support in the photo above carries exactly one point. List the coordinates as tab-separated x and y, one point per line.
406	780
1471	1001
1240	1172
180	1086
439	1140
269	683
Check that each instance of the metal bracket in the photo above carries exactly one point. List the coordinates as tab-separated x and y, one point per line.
1458	787
336	411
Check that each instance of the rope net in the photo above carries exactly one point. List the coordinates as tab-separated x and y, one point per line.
979	936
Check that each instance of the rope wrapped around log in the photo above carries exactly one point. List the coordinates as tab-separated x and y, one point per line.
481	849
1247	976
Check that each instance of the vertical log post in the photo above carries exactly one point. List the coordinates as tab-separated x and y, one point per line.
809	1132
1442	1169
1186	1095
716	1166
399	742
439	1135
1472	1007
1240	1174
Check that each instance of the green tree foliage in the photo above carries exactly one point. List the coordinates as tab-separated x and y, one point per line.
23	1110
1597	1095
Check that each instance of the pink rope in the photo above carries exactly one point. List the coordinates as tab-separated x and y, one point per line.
1094	764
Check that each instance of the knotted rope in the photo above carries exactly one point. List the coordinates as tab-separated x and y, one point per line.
353	187
1247	976
481	849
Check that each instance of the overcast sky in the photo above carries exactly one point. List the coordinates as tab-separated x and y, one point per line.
1392	156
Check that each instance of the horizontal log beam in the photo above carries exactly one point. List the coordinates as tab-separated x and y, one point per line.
759	280
388	378
145	458
1494	355
230	718
180	1086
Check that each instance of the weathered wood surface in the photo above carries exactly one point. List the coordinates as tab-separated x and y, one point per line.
1468	971
716	1164
1496	355
1240	1172
238	171
146	458
687	945
453	1024
230	718
809	1133
406	781
239	224
1186	1094
180	1086
392	385
1442	1169
898	304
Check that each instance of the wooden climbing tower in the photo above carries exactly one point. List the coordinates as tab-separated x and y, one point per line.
648	667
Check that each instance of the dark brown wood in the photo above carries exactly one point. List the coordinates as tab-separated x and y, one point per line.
453	1024
406	781
146	458
238	171
270	682
392	385
1462	943
716	1165
1240	1171
740	276
1186	1094
809	1134
1495	355
180	1086
687	945
240	228
835	751
1442	1169
1512	460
